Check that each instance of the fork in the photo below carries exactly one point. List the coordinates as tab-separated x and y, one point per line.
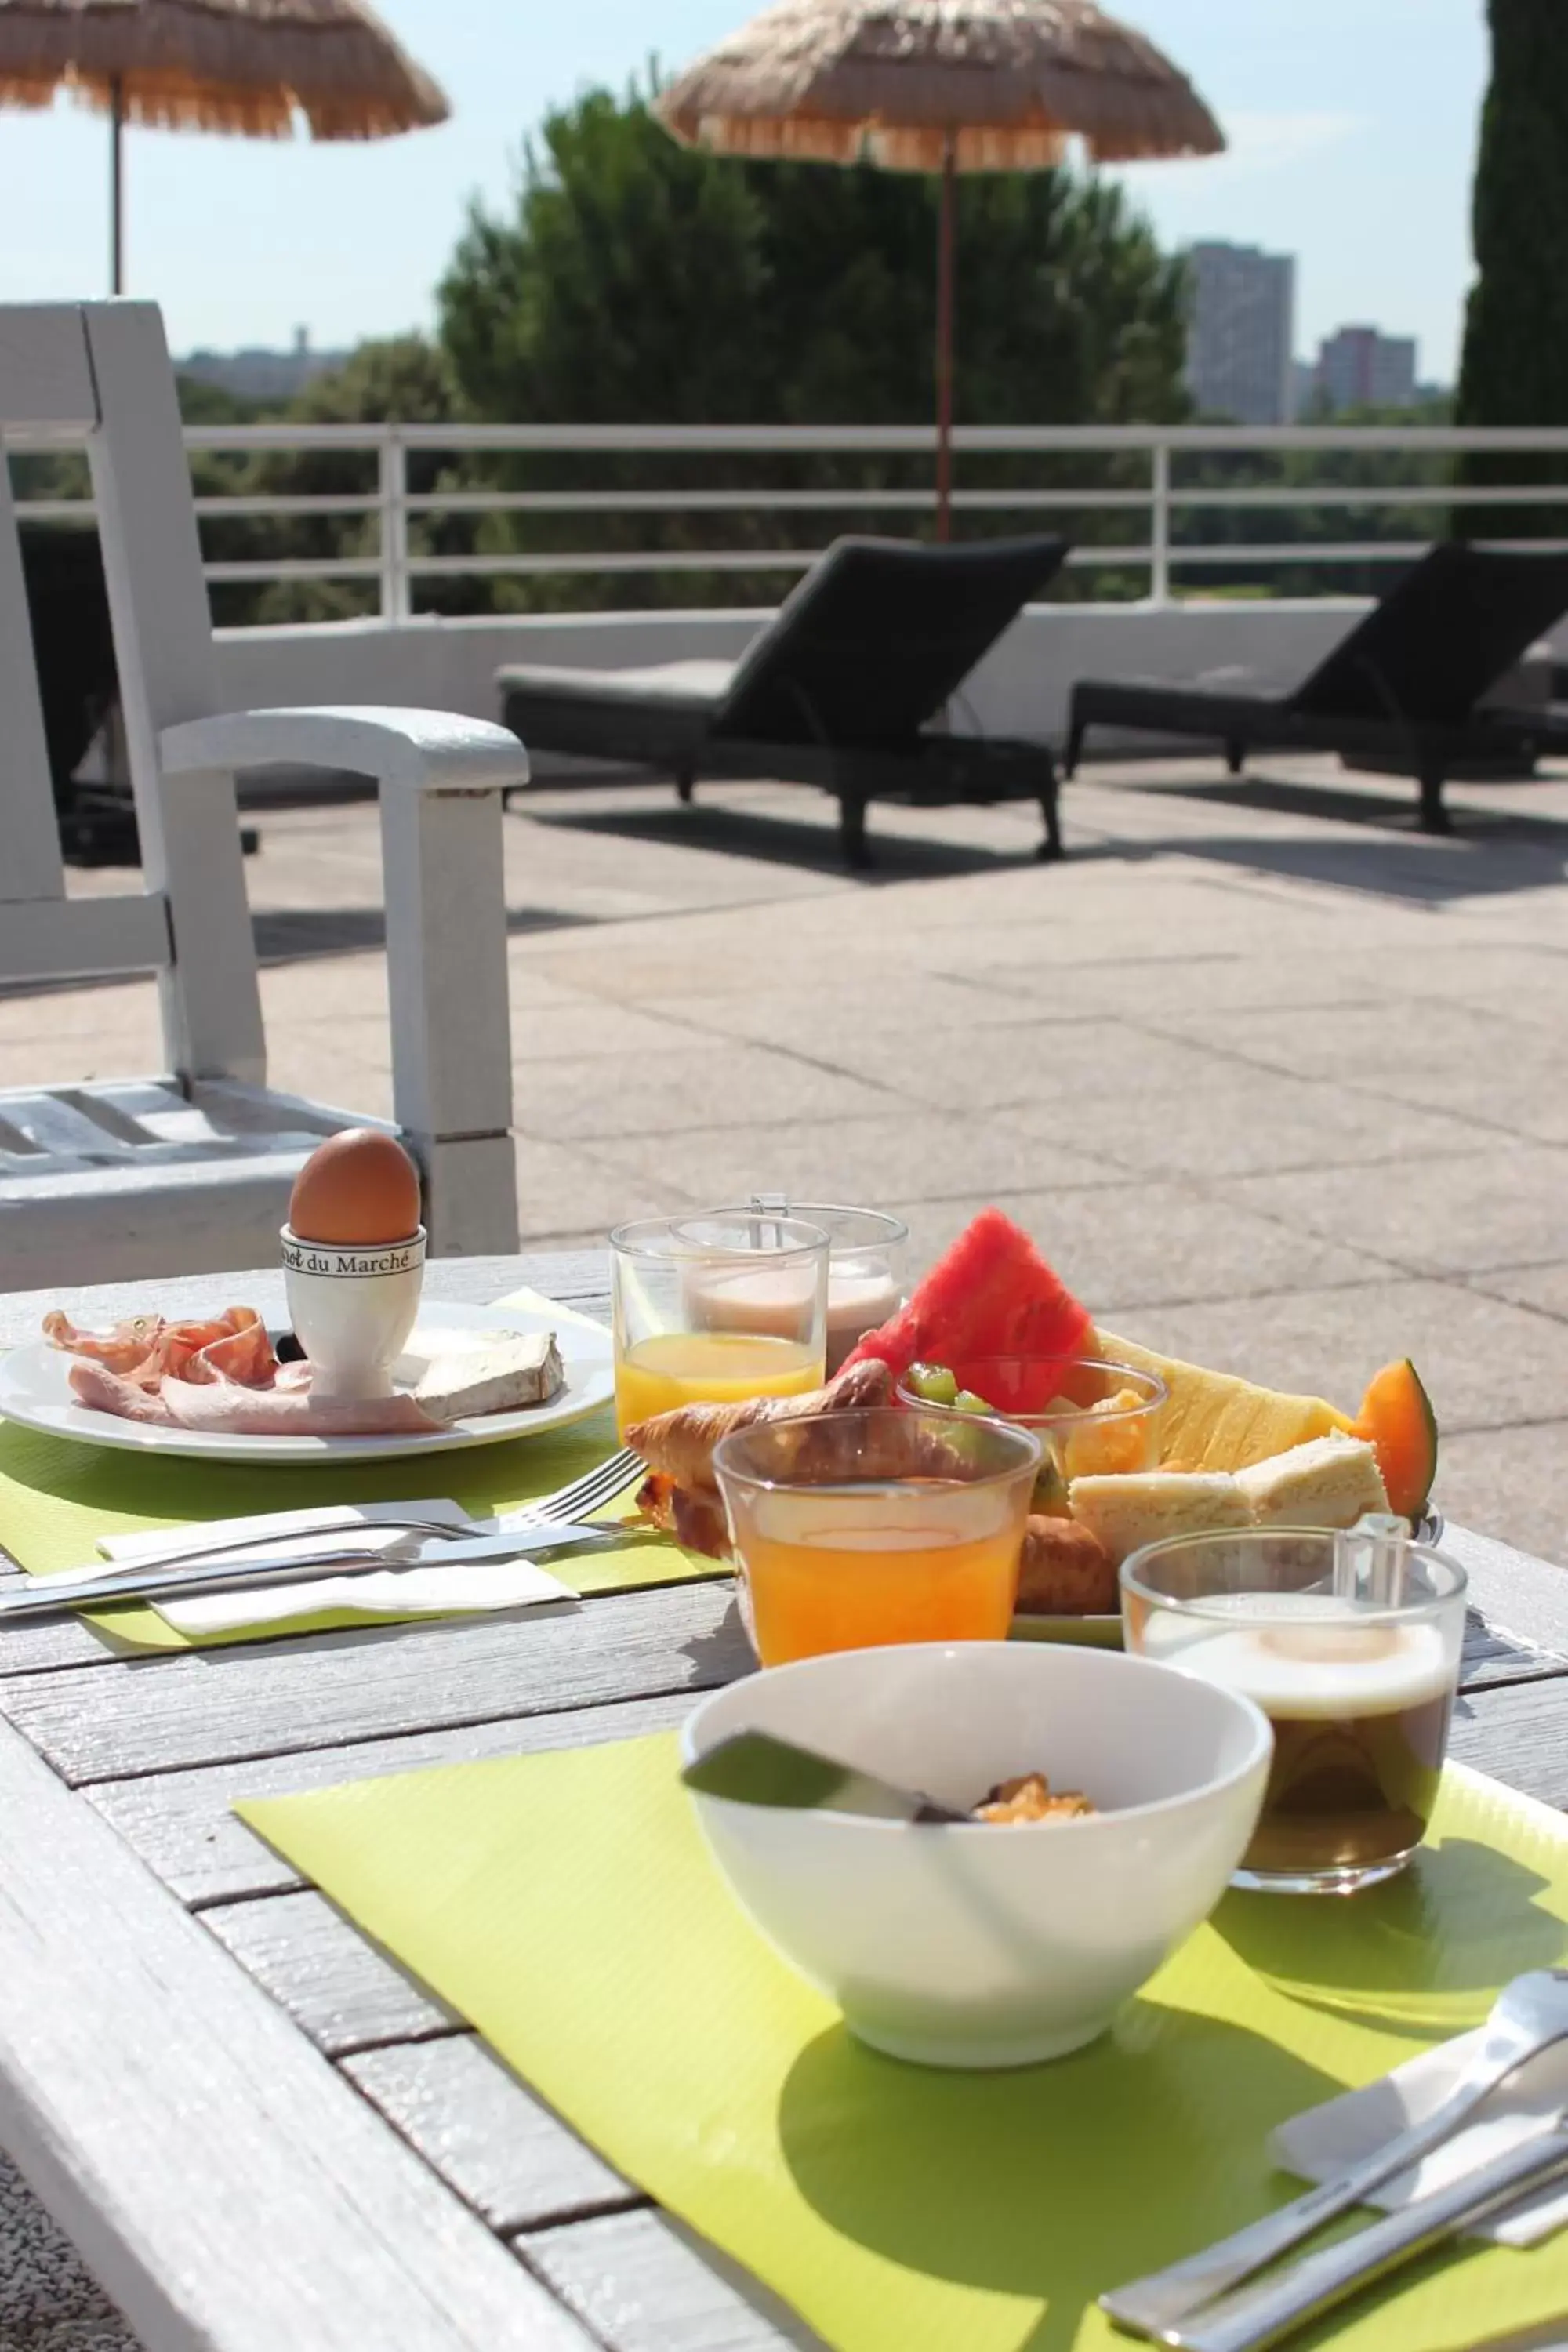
591	1492
597	1488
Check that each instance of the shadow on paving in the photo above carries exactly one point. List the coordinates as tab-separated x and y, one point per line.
782	841
1487	855
295	934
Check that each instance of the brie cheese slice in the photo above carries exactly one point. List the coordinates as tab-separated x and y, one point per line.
506	1372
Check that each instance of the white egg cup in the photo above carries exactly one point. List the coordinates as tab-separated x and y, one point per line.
353	1307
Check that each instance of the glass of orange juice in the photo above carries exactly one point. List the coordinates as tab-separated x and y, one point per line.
853	1529
716	1308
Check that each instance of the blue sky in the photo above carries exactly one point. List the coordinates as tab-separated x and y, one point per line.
1351	125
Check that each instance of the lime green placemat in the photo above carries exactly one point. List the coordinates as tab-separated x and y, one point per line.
565	1903
60	1498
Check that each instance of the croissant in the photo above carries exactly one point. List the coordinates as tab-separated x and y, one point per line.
679	1444
1066	1571
696	1521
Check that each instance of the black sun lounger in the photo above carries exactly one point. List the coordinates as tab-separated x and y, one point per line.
1401	690
838	690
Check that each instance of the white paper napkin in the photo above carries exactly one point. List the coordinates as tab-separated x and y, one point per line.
1323	2140
436	1590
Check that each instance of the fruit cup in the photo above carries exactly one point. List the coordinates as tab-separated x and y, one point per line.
1093	1418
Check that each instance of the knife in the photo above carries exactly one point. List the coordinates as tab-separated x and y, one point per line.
56	1596
1262	2315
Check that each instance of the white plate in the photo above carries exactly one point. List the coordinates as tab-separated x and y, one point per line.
35	1389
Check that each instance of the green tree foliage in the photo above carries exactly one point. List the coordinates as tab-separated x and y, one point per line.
405	381
634	281
1515	369
640	281
1421	514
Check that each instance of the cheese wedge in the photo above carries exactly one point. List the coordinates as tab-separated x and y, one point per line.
510	1371
1149	1505
1215	1420
1327	1483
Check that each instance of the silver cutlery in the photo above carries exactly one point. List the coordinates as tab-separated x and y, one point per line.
1528	2017
56	1596
592	1492
1263	2314
597	1488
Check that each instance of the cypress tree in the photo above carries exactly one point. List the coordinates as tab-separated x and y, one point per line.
1515	369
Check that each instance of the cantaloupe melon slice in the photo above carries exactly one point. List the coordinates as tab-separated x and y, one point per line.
1397	1420
1215	1420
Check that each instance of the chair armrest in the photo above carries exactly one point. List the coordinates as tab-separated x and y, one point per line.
427	750
441	778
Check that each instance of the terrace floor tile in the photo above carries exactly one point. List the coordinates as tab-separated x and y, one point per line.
1429	1213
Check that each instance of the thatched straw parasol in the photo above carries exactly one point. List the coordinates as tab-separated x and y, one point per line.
246	66
944	86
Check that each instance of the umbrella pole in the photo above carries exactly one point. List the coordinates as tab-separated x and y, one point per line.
944	342
116	185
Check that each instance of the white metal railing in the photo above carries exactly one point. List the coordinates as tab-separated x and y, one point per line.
398	565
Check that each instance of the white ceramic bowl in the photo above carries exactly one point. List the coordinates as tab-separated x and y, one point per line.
984	1945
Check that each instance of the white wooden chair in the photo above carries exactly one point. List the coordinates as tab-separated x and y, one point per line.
190	1171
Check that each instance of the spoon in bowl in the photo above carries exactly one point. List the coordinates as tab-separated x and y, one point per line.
754	1767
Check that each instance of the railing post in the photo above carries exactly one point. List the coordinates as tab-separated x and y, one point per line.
1160	525
395	602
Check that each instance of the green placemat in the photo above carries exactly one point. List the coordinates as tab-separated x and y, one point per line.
567	1905
58	1499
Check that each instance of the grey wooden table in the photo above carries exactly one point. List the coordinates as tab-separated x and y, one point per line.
266	2137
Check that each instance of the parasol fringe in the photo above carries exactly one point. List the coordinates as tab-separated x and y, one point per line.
242	65
829	80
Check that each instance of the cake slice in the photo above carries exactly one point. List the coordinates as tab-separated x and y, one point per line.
1327	1483
1213	1421
1148	1506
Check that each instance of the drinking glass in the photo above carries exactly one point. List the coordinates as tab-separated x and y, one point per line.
867	1250
853	1529
716	1308
1349	1644
1093	1418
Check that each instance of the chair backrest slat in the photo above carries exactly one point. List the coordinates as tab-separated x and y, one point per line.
30	837
45	376
98	374
168	673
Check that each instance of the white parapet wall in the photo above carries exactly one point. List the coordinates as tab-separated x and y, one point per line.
1021	688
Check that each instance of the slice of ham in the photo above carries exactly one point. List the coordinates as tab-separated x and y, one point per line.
219	1375
232	1346
241	1351
224	1409
120	1350
102	1391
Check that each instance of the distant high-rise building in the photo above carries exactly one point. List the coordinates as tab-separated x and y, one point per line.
1359	368
1241	332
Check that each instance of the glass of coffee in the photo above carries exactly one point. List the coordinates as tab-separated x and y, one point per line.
1349	1644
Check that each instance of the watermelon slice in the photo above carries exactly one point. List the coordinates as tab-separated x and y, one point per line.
991	1295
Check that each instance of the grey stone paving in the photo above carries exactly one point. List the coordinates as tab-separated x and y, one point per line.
1275	1080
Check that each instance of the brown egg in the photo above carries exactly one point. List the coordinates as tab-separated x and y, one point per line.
359	1186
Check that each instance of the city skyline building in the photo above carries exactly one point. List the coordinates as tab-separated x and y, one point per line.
1241	332
1359	367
